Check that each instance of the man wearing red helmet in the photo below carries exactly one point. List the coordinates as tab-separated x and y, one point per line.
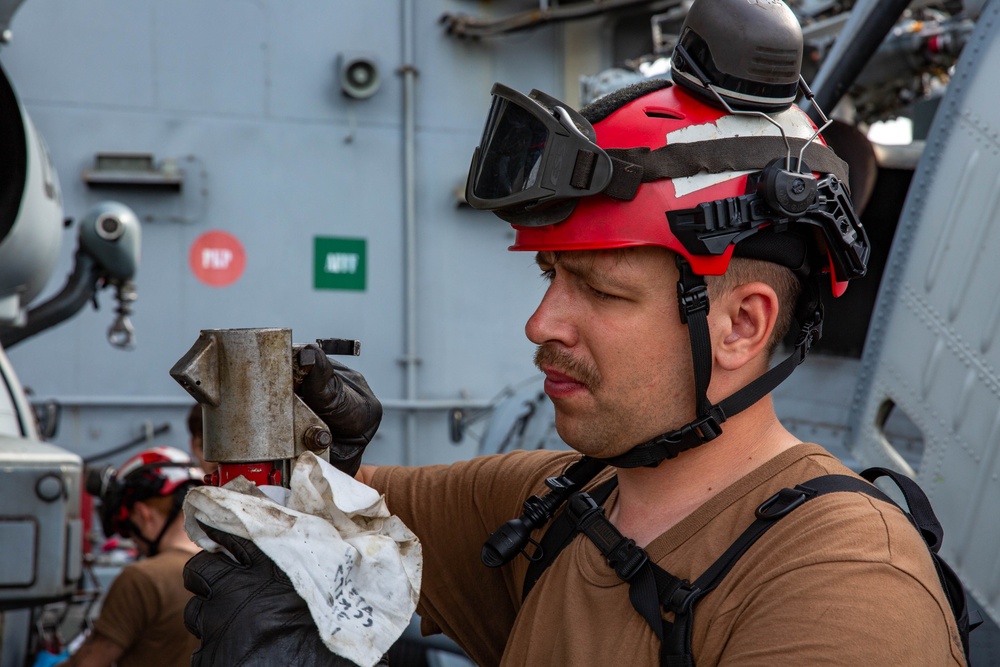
679	226
648	277
141	621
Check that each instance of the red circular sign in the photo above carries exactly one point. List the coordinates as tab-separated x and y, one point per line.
217	258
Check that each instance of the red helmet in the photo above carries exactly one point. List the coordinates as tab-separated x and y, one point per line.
160	471
701	165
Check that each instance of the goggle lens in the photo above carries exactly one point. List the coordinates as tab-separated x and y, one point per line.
513	145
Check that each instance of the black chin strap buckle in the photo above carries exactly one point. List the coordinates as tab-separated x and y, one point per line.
703	429
812	331
692	294
706	428
650	454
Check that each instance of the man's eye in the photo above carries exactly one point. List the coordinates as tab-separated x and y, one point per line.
603	296
548	274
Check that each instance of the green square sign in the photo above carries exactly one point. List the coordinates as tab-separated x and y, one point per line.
339	263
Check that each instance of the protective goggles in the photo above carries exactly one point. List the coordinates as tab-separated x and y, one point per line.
535	152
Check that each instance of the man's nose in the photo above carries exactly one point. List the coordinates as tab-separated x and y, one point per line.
552	321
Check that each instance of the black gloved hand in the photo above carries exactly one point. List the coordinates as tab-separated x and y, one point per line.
342	399
248	613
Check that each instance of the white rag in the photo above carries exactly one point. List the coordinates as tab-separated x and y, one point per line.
357	567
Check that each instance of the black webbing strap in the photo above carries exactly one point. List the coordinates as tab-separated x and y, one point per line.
648	583
920	511
677	642
626	177
679	160
653	590
921	514
558	536
692	300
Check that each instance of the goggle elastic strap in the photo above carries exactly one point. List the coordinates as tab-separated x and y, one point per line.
714	156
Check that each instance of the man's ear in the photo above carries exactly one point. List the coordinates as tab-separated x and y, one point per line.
744	320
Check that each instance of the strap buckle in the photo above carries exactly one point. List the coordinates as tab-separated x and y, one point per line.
692	299
705	428
783	502
683	597
581	507
812	331
627	560
692	293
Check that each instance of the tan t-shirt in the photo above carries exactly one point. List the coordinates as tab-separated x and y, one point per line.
843	580
143	613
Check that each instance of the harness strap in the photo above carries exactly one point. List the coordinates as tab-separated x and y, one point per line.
629	561
558	536
512	537
921	514
653	590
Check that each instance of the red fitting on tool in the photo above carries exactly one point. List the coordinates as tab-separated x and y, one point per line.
260	473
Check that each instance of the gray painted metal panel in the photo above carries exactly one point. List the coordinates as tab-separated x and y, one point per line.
42	498
932	349
18	539
243	95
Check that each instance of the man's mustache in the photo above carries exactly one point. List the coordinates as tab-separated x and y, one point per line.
559	359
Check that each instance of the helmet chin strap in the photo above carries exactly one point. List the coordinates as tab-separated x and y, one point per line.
692	298
692	295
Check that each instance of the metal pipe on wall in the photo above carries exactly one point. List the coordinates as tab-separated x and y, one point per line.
418	405
410	360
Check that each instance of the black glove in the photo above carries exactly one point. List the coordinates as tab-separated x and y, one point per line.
248	613
342	399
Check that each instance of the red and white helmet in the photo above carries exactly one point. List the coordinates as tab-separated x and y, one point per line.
656	116
654	165
160	471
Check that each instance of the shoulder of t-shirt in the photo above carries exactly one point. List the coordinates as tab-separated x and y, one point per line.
519	469
852	525
148	576
133	574
848	519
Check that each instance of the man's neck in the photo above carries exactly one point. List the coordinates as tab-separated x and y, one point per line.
175	539
652	500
